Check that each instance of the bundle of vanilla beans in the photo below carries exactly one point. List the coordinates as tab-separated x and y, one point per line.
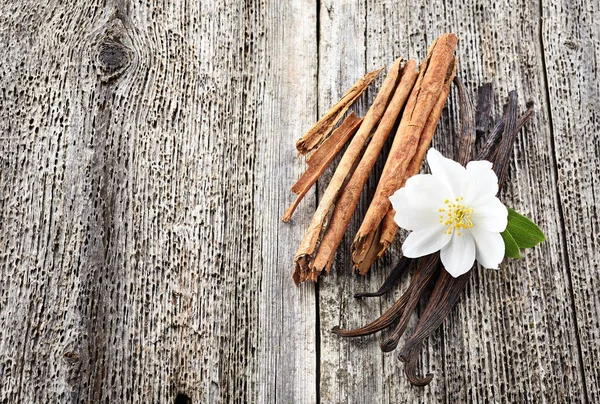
496	147
414	98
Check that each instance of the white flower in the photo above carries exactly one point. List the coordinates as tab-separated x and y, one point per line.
455	210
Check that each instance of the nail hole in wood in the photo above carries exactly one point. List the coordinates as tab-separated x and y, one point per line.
182	399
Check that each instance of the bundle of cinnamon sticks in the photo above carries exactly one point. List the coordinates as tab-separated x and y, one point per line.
414	98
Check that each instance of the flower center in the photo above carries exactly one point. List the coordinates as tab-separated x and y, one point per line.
455	215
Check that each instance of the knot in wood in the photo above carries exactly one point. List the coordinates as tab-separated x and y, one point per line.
113	58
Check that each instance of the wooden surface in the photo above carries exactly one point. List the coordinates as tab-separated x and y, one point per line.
146	155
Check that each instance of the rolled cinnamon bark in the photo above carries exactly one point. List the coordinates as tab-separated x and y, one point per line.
321	158
389	227
350	195
315	135
435	71
303	268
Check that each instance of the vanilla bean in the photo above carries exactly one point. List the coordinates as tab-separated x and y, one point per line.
497	148
392	279
490	147
525	117
410	369
492	140
448	290
432	263
467	136
427	268
437	305
485	100
445	294
382	322
509	134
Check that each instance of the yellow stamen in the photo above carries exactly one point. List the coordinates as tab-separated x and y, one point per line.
459	217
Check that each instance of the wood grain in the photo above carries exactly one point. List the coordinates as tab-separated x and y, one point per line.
146	155
570	39
140	254
356	370
286	325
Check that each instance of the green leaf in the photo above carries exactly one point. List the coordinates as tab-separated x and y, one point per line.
511	249
524	232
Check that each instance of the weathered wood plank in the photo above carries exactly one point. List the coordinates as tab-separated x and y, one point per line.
140	213
571	43
503	340
287	368
341	62
352	42
518	333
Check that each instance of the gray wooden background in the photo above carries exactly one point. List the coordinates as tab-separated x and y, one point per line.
146	155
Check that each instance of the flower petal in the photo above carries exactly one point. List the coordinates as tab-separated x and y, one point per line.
483	182
458	255
412	216
427	190
423	242
489	246
449	172
491	216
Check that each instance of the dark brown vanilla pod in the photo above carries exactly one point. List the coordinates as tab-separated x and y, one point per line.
466	141
386	319
410	369
405	304
485	102
392	279
509	135
447	289
444	297
492	141
428	267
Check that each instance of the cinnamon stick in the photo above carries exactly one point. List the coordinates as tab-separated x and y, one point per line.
435	70
303	268
320	159
349	197
389	226
315	135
